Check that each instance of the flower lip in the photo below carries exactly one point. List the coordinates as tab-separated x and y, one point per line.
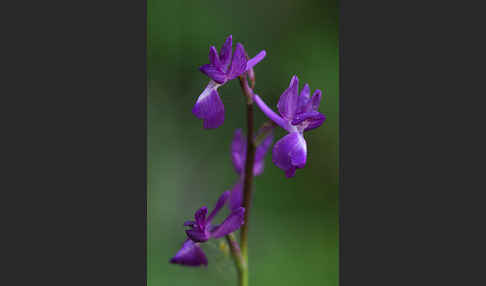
190	254
209	106
290	153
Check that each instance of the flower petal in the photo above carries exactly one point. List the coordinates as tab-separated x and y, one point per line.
225	52
238	151
298	154
219	204
255	60
270	113
230	224
209	107
309	120
290	172
236	197
214	72
197	234
260	152
190	254
238	62
200	216
288	102
290	153
189	223
214	121
214	57
316	100
304	98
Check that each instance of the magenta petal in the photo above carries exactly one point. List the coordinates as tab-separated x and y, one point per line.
190	254
214	122
298	154
238	151
209	107
238	62
214	57
288	102
200	216
214	72
189	223
305	92
219	204
197	234
309	120
304	98
255	60
316	100
236	197
290	153
225	52
233	222
289	173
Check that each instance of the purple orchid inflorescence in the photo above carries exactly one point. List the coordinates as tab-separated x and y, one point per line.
297	114
201	230
238	157
222	68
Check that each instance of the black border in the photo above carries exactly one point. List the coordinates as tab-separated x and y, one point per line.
76	151
407	91
76	123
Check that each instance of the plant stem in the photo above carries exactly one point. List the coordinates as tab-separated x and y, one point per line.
248	179
236	253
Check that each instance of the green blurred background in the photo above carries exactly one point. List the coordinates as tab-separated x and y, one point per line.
294	222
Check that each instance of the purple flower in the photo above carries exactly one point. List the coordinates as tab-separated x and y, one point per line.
190	254
238	157
201	230
297	114
221	69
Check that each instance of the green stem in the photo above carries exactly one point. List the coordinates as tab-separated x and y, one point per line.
236	253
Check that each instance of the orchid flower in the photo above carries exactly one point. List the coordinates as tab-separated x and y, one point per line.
221	69
201	230
297	115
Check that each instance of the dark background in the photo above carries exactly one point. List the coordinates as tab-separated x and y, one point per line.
74	137
294	222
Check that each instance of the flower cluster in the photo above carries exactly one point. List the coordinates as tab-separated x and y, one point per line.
298	113
201	230
221	69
